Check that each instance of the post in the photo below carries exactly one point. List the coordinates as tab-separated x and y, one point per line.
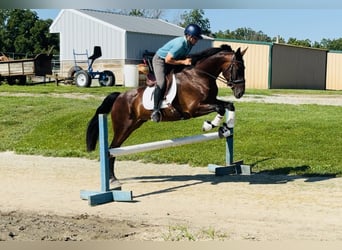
103	147
230	120
105	195
231	166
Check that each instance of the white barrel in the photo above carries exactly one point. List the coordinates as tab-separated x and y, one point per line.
131	75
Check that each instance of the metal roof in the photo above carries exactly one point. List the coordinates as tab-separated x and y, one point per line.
136	24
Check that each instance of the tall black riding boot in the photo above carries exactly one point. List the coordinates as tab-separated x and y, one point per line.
156	115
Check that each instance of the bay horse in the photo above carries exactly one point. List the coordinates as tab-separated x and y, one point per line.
196	96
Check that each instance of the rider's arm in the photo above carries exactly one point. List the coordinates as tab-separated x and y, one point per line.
170	60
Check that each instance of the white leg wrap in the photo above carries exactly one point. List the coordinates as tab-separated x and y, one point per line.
207	126
224	131
217	120
231	119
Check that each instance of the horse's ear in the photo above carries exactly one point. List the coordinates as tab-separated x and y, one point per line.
244	51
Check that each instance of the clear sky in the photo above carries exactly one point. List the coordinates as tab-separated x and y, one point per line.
313	24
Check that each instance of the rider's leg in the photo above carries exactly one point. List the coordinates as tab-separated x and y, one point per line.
156	115
159	71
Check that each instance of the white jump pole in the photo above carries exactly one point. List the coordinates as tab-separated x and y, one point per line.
162	144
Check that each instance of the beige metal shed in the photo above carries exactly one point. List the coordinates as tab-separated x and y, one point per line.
283	66
257	61
334	72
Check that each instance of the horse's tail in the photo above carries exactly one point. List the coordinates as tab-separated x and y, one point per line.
93	125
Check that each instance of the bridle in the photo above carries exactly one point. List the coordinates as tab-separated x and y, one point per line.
229	82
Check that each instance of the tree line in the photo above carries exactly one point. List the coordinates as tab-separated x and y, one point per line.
22	32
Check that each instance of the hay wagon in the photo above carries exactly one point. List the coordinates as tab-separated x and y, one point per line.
17	71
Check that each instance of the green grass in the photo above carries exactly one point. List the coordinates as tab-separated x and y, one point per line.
184	233
53	88
304	139
301	139
290	91
286	139
49	88
44	125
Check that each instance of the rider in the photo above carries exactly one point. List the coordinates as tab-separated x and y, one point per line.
172	53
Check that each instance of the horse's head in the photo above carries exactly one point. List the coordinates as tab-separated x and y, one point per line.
234	73
214	61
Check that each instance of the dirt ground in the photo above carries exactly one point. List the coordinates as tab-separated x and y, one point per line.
40	200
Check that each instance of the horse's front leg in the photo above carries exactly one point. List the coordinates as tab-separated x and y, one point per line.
221	108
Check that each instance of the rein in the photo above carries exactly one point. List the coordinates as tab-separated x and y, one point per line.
221	78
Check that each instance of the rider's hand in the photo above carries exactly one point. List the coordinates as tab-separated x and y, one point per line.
187	61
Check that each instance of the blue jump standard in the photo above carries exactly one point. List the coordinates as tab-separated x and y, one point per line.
106	194
231	168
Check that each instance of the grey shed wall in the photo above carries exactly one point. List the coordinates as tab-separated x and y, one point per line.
298	67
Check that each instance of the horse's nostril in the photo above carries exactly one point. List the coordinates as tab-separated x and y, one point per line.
239	94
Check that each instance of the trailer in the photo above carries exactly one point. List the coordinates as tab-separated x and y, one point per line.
17	71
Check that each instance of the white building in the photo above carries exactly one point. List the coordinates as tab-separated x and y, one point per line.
123	39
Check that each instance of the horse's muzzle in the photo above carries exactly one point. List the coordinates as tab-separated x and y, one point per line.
238	87
235	82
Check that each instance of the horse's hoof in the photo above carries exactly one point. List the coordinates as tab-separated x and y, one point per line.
224	131
207	126
115	184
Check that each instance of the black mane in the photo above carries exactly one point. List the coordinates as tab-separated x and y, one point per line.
209	52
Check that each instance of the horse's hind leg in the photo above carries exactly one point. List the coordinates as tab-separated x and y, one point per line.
112	178
122	130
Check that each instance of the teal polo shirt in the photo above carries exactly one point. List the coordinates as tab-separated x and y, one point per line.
178	48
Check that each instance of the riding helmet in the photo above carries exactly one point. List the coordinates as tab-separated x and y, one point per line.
193	30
